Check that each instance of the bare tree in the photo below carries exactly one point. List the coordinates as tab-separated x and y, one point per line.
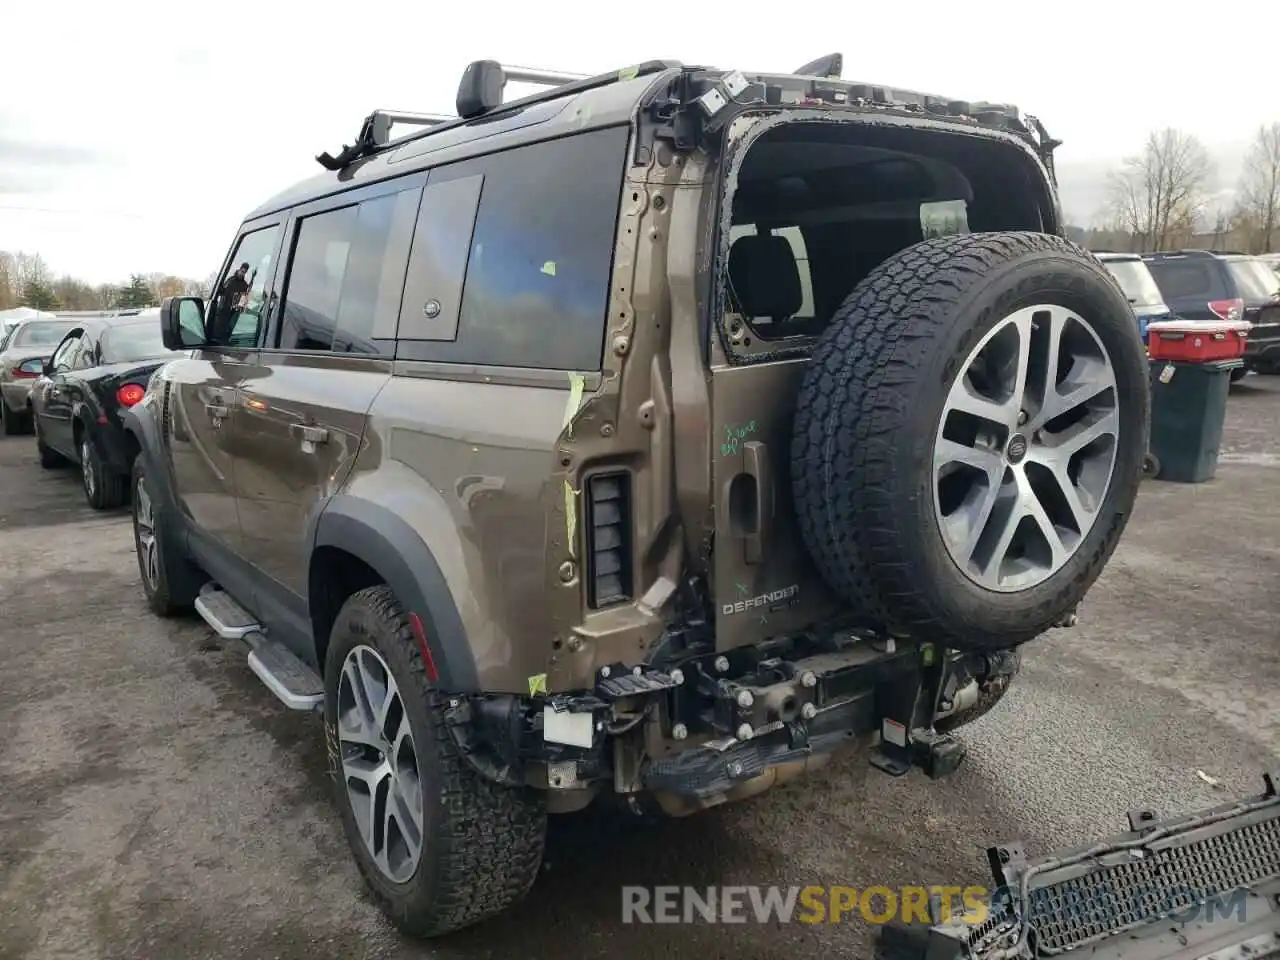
1160	193
8	281
1259	191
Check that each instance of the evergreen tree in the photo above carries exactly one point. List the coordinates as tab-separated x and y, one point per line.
38	295
137	293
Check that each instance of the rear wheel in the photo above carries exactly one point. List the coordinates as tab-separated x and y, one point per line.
969	437
1239	374
440	846
103	489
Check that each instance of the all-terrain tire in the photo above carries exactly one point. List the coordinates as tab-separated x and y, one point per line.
870	406
103	488
172	585
483	842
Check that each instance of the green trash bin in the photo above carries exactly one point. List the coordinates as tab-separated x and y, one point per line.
1188	409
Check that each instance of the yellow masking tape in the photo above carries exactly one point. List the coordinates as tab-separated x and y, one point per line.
537	684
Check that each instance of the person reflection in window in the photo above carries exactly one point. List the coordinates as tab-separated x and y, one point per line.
232	298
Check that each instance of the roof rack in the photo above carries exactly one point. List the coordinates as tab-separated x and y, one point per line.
480	94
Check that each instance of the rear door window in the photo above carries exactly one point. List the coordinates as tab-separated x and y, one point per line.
347	275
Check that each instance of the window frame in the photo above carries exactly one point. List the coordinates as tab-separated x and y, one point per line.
293	231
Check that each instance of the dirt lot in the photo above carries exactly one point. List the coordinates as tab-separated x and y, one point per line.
155	801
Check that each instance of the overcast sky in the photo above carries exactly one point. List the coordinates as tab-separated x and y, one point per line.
134	135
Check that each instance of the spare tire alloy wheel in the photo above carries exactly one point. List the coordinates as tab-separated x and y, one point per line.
1022	459
380	763
969	438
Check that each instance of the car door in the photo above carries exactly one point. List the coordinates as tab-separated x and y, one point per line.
202	398
56	396
305	401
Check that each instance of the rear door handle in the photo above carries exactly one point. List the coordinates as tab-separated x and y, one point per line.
309	435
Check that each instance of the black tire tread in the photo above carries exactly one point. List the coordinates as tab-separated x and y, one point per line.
846	429
489	852
109	487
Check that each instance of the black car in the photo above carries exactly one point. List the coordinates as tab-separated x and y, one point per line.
101	367
1200	285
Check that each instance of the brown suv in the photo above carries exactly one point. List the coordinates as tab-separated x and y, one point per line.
650	437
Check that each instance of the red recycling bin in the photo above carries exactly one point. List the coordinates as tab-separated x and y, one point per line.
1193	342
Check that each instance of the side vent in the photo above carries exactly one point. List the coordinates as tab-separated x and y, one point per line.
608	529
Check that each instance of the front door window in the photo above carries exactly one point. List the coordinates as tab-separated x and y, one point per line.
237	311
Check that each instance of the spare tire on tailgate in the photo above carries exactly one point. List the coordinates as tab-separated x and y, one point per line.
970	436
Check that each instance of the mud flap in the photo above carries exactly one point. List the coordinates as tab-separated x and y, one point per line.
1199	887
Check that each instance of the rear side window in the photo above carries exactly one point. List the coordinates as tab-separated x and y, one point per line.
1187	279
534	280
347	274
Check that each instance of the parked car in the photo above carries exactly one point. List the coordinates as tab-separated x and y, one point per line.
1139	286
26	348
1200	285
1272	260
631	441
100	369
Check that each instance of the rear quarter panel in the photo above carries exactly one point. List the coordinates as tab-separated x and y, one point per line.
468	465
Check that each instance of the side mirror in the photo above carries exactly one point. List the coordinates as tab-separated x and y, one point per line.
182	323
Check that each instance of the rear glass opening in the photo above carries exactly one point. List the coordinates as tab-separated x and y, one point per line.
41	333
818	206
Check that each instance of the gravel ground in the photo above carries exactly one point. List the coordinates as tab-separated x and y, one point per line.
157	802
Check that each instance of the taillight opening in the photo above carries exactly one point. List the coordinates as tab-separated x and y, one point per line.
609	536
130	394
1229	310
28	370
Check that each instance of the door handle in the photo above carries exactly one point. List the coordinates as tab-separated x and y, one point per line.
219	410
756	457
309	435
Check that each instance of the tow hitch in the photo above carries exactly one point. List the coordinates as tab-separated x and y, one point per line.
1200	887
755	711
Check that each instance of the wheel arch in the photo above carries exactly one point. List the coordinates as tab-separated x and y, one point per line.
373	538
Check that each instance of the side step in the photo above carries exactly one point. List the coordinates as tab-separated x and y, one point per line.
296	685
220	610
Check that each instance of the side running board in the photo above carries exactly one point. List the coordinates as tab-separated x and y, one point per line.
294	683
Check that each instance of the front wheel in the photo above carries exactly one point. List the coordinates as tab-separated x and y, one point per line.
10	422
440	847
169	580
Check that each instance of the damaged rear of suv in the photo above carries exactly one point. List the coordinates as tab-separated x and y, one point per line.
651	437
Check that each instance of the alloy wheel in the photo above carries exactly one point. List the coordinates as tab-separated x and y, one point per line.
380	763
1026	448
144	530
87	472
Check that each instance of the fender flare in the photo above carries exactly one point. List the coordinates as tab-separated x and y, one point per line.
380	538
140	420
